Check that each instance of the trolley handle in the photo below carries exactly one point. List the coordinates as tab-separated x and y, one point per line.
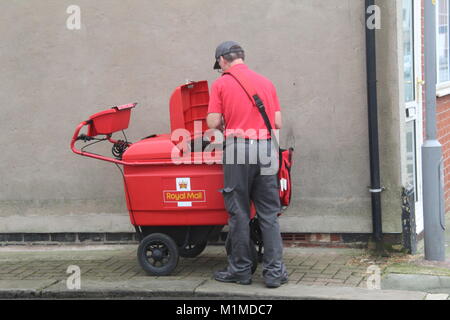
76	136
84	137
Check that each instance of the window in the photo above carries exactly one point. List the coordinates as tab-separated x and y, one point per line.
442	45
408	50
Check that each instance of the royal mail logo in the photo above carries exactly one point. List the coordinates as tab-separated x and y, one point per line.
183	196
183	185
191	196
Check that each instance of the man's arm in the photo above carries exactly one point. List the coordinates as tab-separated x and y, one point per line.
278	122
277	108
214	121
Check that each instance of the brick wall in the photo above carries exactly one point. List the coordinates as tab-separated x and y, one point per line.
423	66
443	124
334	240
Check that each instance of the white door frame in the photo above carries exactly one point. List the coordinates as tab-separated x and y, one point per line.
418	106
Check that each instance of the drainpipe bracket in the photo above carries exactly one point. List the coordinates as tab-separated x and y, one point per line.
376	190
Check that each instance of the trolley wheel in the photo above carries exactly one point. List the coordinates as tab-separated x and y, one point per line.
158	254
192	250
255	258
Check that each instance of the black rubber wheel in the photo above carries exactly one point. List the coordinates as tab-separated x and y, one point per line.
254	258
192	250
260	256
158	254
256	236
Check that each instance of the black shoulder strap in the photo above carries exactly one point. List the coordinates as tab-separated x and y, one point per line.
253	95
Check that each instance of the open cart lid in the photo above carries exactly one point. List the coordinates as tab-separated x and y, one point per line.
111	120
188	104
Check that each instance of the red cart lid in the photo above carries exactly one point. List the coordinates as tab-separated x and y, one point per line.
111	120
189	105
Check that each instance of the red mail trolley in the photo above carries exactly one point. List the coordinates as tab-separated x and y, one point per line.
175	208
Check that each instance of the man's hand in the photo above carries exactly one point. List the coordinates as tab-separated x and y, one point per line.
215	121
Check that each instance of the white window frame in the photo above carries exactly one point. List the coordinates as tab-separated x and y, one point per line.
442	88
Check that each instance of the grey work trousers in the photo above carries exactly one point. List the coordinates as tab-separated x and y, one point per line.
244	183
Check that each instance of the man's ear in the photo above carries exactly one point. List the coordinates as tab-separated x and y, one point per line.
222	61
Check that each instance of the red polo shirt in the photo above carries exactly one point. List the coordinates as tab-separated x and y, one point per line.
241	116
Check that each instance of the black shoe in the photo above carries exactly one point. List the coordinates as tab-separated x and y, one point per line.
275	283
225	276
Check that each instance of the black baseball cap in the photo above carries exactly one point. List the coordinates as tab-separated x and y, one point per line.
226	48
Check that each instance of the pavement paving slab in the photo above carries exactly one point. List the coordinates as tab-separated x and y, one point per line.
293	291
438	296
416	282
23	288
136	287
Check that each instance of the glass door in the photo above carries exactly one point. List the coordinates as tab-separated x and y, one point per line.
412	78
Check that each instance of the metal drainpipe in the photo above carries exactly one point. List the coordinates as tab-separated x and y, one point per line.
375	183
432	162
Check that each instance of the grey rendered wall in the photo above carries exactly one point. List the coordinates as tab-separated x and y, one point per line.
391	112
52	78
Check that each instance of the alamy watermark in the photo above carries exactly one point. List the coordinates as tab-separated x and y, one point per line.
374	17
73	22
233	146
73	282
374	280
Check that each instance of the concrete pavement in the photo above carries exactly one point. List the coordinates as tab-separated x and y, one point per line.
140	287
416	273
113	271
